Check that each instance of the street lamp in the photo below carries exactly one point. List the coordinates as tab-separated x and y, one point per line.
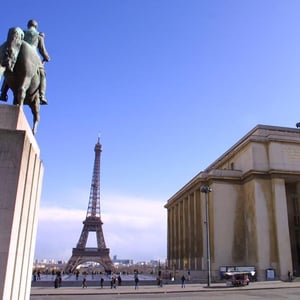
206	190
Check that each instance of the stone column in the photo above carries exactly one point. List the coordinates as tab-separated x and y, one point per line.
199	227
171	237
180	236
184	236
176	236
282	227
21	173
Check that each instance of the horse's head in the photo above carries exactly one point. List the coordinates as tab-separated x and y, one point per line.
14	41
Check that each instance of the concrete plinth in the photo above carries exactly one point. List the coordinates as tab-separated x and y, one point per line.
21	173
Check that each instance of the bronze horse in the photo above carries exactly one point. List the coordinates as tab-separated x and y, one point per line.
21	64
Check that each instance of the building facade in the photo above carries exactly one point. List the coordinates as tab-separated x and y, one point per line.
253	208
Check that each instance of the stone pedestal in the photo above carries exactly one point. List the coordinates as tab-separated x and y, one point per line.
21	173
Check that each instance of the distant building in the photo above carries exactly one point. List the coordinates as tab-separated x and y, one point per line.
254	208
123	262
155	263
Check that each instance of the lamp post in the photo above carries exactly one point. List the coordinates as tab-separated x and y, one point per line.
206	190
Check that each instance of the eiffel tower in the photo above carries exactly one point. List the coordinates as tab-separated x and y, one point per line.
92	223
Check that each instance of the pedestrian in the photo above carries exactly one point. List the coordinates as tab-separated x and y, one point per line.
84	283
183	281
111	283
119	280
158	281
101	282
136	281
34	275
56	283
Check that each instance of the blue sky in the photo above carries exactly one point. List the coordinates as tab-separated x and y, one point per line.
170	84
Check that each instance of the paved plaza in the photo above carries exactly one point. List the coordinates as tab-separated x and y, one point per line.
256	290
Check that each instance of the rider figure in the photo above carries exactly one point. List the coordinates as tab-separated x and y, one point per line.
36	39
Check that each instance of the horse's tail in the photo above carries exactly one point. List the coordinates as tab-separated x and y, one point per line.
13	44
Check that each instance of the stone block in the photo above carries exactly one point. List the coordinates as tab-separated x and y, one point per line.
21	173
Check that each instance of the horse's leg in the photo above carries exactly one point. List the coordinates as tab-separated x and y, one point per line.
35	109
21	94
21	91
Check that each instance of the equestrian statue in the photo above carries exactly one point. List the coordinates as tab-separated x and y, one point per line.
23	68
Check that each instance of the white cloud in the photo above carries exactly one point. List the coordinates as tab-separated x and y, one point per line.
58	214
133	228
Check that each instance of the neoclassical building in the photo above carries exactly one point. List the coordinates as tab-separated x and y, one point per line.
253	208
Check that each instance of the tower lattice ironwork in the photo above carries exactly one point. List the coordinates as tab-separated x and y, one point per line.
92	223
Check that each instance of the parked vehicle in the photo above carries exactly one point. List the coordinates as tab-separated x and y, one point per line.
237	278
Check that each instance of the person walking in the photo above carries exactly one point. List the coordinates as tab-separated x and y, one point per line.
59	281
56	282
119	280
136	282
183	281
84	283
113	282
